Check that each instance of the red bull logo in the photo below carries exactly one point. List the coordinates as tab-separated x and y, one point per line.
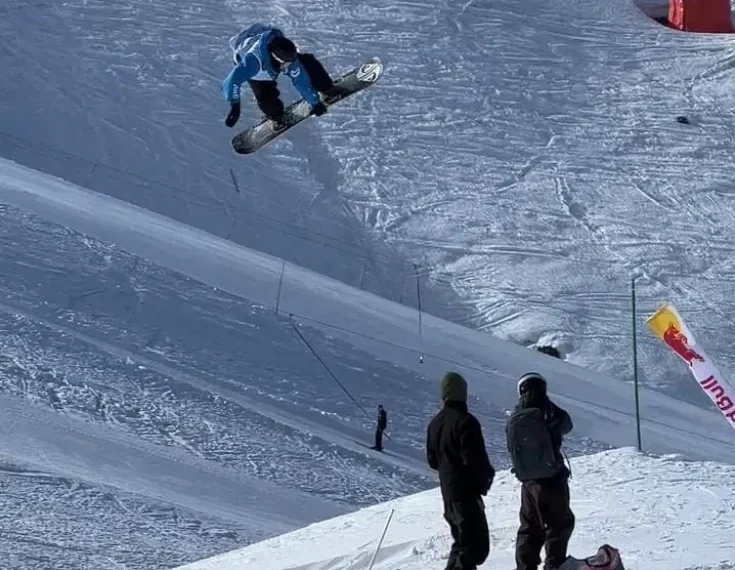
680	344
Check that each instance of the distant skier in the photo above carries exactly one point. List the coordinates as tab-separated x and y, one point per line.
455	448
382	424
534	432
261	53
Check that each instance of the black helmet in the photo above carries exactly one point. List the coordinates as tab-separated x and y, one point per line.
283	49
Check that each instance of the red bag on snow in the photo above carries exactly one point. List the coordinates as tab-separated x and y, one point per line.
607	558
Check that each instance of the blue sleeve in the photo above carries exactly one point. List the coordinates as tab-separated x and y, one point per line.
239	75
301	81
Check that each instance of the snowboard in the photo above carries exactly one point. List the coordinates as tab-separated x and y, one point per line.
257	136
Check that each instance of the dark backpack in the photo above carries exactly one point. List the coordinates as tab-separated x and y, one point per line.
531	447
607	558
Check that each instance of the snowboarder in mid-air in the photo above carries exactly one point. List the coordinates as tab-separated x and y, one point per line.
261	53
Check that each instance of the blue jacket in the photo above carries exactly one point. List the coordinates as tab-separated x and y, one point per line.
255	64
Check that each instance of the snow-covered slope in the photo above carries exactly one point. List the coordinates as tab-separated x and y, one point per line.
142	360
125	99
522	158
660	512
149	419
524	154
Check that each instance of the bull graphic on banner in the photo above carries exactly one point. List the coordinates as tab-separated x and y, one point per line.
668	325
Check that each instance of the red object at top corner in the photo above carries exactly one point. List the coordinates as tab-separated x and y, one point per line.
703	16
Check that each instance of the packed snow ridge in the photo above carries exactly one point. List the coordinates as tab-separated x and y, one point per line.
662	513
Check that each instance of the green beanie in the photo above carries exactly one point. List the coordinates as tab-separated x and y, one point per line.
454	388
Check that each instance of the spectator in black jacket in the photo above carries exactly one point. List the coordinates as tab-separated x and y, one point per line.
380	428
455	447
535	432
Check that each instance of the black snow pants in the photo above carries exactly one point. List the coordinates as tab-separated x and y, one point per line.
379	438
467	522
546	521
269	98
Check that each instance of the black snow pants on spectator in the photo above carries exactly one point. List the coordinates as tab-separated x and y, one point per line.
379	438
470	532
546	520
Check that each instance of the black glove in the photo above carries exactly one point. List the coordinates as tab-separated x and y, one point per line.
319	109
233	116
549	409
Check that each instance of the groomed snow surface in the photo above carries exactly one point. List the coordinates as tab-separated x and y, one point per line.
661	513
525	155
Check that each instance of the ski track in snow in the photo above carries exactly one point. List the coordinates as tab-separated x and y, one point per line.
120	342
539	195
68	523
142	121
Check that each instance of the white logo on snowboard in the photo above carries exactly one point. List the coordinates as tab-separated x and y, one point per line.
369	72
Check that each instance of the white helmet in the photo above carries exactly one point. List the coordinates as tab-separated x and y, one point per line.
531	380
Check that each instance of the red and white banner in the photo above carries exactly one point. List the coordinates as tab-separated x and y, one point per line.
668	325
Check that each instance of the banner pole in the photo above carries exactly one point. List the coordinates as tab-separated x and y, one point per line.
635	365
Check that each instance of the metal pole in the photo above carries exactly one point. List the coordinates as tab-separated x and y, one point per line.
635	365
418	302
380	542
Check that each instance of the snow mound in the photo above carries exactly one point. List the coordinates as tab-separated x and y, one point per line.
663	513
